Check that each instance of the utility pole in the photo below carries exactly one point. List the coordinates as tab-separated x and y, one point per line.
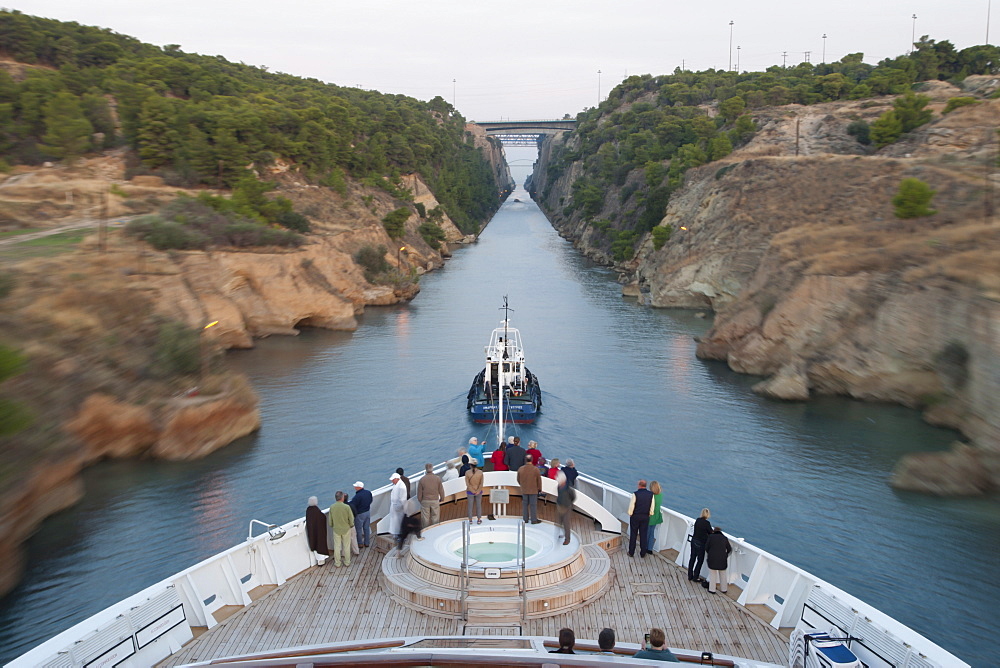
824	49
913	33
988	3
806	55
730	46
102	233
784	56
453	87
738	58
598	88
988	194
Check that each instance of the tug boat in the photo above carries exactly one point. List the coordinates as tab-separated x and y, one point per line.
505	390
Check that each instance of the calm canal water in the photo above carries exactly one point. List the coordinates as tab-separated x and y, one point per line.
624	395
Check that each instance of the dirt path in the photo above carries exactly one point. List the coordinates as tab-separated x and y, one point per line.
66	227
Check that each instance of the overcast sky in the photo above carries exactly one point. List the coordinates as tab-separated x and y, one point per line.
518	59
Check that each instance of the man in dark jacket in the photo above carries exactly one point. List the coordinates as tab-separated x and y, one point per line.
361	504
640	509
717	548
515	456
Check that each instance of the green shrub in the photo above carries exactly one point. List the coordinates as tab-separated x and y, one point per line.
7	283
623	247
956	102
178	349
661	235
886	129
432	234
189	224
13	416
293	221
394	222
336	182
722	171
421	209
912	199
372	260
860	131
166	234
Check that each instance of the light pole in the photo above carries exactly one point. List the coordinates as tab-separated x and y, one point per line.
913	33
453	87
598	88
204	352
738	47
988	3
730	46
824	49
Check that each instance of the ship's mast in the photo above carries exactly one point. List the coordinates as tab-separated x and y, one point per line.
502	375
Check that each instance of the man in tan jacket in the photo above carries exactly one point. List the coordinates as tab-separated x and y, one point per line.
430	494
474	491
530	480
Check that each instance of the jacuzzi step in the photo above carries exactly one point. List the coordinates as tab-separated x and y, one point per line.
493	617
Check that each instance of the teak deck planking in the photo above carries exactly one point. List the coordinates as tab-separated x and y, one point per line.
328	604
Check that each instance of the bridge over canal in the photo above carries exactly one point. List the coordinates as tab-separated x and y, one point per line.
525	133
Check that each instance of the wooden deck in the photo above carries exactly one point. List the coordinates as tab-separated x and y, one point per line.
329	604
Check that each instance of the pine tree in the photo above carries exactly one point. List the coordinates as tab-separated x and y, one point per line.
67	131
157	135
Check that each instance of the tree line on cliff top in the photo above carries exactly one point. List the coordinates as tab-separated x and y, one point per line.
196	119
659	124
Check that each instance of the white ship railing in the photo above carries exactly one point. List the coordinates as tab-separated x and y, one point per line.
154	623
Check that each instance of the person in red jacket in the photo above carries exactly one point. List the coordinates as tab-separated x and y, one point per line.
534	454
497	458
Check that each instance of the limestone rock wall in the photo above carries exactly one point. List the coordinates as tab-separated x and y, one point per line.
817	286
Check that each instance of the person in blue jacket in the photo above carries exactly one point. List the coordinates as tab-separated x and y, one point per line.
476	451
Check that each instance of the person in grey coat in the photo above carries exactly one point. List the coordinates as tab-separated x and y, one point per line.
515	455
717	550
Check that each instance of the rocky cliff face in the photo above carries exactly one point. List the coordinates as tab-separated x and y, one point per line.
87	322
819	288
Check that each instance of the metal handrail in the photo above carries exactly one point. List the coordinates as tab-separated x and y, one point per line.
464	579
522	582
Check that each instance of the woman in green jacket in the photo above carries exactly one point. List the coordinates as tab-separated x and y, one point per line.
657	517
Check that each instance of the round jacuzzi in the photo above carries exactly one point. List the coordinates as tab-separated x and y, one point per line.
493	543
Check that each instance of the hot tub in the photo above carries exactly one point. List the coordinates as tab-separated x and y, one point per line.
494	544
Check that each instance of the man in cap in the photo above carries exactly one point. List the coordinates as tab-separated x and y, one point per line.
361	504
397	501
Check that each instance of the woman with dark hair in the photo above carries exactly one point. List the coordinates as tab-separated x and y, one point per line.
497	458
702	527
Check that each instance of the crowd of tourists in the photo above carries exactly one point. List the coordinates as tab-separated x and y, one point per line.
346	528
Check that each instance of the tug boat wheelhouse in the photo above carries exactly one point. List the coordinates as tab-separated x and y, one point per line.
505	390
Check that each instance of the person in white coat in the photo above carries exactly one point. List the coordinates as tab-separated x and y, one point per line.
397	501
